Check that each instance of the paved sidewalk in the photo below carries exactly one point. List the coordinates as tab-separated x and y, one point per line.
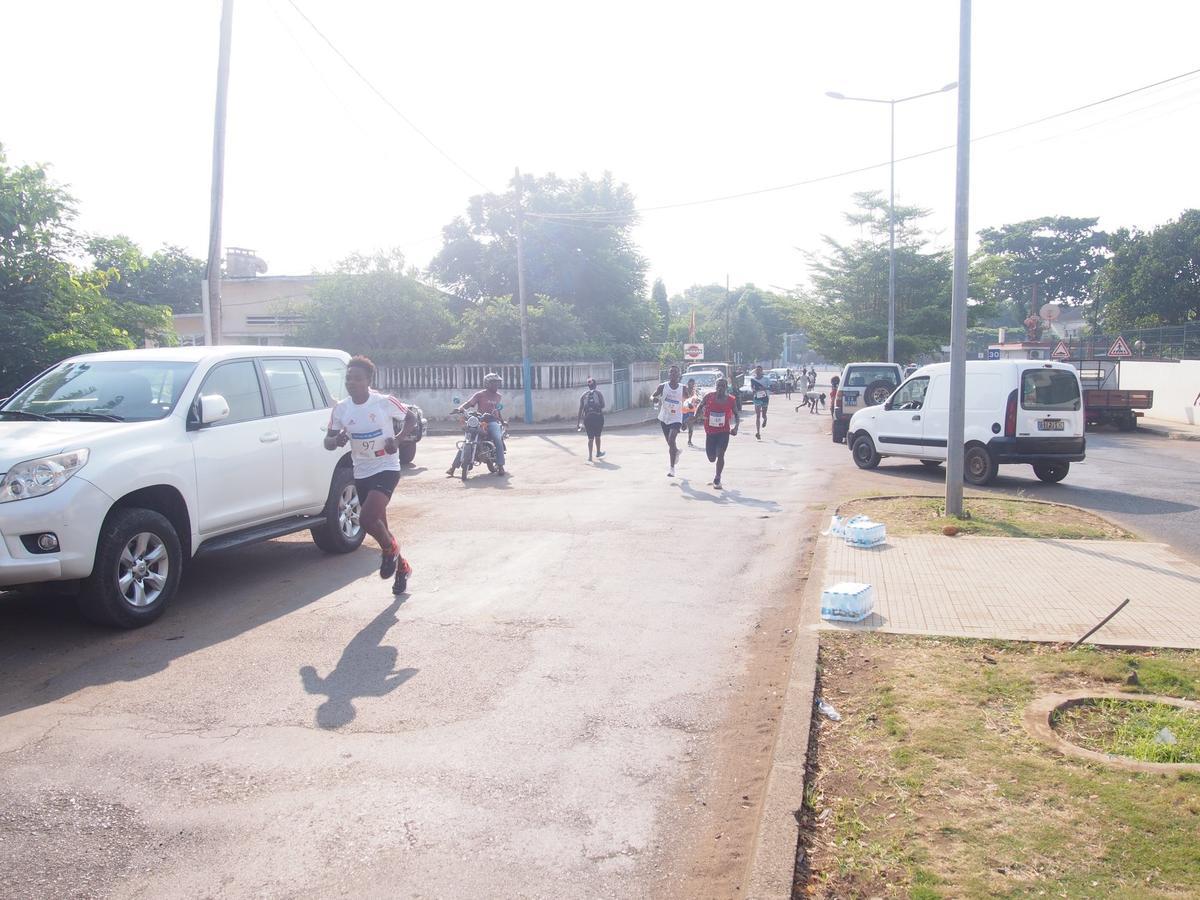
1179	431
1023	589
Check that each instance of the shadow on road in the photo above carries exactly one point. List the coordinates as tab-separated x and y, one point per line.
563	447
1158	570
726	496
1095	499
48	652
603	464
366	669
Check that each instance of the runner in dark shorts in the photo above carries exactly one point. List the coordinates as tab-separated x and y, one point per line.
719	413
670	413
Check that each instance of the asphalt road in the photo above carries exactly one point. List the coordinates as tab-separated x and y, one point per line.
1140	480
577	698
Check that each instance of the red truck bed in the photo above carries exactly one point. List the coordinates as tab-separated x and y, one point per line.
1106	399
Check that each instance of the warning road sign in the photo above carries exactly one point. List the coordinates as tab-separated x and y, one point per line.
1120	348
1061	351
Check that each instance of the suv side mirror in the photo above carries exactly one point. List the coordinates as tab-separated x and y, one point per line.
213	408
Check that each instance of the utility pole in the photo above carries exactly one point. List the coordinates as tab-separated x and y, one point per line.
958	301
526	369
218	176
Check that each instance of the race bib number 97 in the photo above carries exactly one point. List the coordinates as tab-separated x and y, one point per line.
367	444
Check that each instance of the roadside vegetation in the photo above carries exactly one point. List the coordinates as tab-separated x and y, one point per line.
929	786
989	517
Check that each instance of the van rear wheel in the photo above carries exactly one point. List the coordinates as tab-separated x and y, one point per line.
978	466
1051	472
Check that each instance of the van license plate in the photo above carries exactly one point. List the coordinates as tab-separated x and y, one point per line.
1051	425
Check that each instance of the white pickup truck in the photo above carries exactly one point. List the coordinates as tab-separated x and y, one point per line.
116	468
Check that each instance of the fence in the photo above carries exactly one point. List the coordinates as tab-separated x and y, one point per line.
469	376
1161	342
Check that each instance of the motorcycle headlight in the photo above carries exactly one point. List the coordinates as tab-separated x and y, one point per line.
36	477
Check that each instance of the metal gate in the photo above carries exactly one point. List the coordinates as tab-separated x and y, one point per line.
622	388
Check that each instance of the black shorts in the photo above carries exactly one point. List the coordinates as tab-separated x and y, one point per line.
715	444
593	424
670	429
383	482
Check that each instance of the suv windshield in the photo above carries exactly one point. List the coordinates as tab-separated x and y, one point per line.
1051	389
703	379
134	390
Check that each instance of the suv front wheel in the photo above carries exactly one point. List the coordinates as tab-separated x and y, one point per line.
342	532
136	572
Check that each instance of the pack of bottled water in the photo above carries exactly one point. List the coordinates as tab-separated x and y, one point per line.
837	525
865	533
847	601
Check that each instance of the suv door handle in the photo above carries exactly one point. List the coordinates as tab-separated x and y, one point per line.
917	418
269	437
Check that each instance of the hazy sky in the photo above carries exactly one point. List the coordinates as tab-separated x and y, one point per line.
683	101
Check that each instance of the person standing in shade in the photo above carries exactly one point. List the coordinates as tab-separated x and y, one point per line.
591	417
670	413
760	388
715	412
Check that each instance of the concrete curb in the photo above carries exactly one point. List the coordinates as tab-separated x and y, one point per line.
776	851
1167	431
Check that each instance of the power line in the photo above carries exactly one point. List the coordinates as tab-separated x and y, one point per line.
378	93
868	168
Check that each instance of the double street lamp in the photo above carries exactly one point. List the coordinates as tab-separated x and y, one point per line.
891	342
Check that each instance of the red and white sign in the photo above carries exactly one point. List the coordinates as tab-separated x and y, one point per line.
693	352
1120	348
1061	351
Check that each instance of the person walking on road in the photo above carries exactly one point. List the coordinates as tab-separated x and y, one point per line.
760	388
670	413
716	411
833	392
690	402
487	402
591	417
365	419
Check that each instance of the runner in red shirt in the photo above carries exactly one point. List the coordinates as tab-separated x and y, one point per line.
715	412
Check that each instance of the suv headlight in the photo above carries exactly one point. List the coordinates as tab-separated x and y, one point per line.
36	477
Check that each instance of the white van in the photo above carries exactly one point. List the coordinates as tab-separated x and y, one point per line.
1017	411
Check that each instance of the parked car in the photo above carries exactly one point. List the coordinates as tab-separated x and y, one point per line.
1017	411
118	467
862	384
781	380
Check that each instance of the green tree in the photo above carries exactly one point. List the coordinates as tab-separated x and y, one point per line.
1153	277
395	317
658	297
578	250
52	310
845	311
169	276
1057	255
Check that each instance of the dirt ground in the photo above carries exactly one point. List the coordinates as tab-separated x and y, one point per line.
930	787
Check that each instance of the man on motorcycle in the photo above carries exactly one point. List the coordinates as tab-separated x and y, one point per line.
487	402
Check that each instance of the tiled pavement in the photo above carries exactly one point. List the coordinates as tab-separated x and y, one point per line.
1023	589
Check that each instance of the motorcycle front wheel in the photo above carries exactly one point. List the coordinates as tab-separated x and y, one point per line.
468	459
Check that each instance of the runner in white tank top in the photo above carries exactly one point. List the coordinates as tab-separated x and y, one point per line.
670	413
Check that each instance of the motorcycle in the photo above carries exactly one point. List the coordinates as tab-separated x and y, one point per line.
476	448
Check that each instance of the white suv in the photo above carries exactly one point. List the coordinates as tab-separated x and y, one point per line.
115	468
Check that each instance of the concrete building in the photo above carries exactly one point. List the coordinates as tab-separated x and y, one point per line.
264	309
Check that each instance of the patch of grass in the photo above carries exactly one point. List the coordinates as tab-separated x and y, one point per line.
960	802
1133	728
988	517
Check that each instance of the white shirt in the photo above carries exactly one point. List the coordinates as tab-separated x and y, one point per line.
369	425
671	409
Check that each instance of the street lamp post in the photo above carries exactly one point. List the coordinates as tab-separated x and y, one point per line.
891	341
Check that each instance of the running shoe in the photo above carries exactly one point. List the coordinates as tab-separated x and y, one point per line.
387	565
717	485
600	453
671	473
400	585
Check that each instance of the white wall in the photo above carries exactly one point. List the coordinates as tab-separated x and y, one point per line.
1176	388
548	405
